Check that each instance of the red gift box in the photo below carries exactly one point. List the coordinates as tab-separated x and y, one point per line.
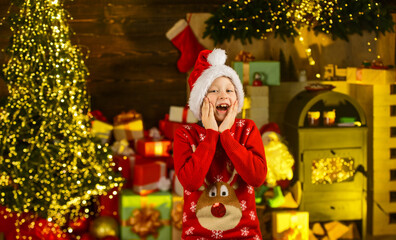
139	159
181	114
125	165
168	128
146	177
149	148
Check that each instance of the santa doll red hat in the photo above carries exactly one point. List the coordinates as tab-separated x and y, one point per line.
209	66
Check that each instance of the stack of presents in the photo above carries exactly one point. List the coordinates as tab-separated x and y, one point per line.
150	205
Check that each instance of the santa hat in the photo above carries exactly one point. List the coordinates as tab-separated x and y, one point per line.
209	66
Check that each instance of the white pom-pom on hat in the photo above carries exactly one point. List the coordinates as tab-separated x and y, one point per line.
217	57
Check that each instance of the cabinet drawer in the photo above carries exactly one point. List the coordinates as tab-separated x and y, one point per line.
334	210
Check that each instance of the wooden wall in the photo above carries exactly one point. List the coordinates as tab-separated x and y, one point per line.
131	62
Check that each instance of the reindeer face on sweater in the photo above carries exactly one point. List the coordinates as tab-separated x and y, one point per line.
218	207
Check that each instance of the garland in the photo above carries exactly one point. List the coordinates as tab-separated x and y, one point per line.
247	19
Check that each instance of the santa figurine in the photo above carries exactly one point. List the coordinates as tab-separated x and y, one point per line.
280	169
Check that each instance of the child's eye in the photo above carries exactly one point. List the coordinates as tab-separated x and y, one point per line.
230	90
212	91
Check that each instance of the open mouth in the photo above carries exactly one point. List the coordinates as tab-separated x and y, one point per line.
222	107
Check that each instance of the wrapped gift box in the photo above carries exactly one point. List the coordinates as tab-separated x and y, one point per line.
101	130
149	148
181	115
136	211
169	128
125	164
286	224
129	131
269	69
139	159
146	177
371	76
256	105
257	91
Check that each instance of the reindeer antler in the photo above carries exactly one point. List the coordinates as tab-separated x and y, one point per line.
204	185
232	176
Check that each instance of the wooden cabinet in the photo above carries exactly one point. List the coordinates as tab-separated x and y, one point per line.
329	159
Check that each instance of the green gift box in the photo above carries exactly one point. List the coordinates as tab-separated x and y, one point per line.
134	209
268	70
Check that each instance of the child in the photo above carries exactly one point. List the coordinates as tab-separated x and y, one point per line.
220	159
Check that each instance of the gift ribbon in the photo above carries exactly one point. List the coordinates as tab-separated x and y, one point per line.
128	132
158	148
245	58
246	73
246	106
185	113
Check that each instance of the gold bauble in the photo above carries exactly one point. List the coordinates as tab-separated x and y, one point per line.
104	226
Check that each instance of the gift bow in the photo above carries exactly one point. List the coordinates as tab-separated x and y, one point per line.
145	221
126	117
177	216
98	115
244	57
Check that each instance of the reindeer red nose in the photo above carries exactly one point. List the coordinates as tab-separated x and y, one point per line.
218	210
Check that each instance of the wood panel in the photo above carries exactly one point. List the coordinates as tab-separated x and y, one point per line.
132	64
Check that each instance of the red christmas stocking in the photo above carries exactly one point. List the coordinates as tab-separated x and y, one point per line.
184	39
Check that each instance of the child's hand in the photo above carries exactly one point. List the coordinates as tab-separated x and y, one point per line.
230	118
208	119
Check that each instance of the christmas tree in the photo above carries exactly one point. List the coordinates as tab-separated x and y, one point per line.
50	163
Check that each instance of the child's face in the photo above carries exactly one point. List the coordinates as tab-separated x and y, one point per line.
221	95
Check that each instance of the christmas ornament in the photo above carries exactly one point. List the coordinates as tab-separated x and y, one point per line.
259	78
104	226
184	39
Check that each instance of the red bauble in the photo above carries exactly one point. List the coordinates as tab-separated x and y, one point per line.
257	83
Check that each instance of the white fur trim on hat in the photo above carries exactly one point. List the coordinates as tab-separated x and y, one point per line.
217	69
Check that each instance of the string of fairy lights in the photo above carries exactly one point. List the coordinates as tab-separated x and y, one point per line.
50	163
247	19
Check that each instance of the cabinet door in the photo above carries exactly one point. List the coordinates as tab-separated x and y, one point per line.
333	170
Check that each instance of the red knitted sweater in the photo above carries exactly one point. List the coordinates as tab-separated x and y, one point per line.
217	203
